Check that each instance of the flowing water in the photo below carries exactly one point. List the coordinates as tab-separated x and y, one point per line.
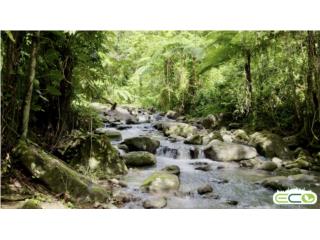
229	181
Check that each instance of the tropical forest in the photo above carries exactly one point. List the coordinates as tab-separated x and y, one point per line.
158	119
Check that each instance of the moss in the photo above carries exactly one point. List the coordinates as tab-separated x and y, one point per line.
161	181
92	154
31	204
270	145
139	159
57	175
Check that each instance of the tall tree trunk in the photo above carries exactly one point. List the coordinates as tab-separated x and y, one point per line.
28	97
312	115
247	69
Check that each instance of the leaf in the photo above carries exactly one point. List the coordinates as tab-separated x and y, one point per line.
9	34
55	76
53	91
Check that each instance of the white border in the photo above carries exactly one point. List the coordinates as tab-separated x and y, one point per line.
159	224
160	14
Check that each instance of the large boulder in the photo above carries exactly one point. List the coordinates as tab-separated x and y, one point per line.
175	129
92	154
57	175
270	145
111	134
139	159
142	144
161	182
221	151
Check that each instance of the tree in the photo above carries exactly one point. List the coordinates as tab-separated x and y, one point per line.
28	96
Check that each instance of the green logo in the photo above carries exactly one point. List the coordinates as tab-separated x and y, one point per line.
295	196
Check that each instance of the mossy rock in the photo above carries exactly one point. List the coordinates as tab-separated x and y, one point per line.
176	129
111	134
92	154
240	136
195	139
142	144
270	145
268	166
303	161
156	202
287	182
140	159
215	135
222	151
173	169
160	182
57	175
31	204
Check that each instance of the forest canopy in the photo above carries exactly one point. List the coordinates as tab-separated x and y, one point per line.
268	79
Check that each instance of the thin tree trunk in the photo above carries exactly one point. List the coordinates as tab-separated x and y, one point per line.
28	97
247	68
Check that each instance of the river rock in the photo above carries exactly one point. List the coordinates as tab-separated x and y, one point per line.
277	161
210	122
221	151
240	136
268	166
212	136
195	139
142	144
160	182
251	163
202	166
173	169
123	147
175	129
139	159
119	114
205	189
156	202
172	114
286	182
111	134
123	127
303	161
232	202
270	145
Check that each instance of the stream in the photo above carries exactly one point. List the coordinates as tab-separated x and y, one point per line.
230	182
